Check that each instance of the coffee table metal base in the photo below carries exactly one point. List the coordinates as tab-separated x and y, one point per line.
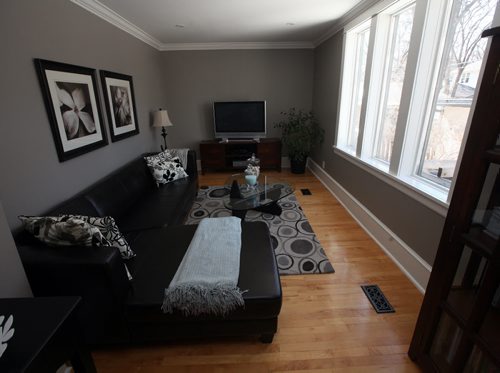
273	208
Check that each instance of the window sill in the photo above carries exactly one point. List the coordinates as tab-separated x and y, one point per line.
431	197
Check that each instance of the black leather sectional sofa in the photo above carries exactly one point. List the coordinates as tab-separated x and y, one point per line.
116	310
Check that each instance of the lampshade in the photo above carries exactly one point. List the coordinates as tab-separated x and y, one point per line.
161	119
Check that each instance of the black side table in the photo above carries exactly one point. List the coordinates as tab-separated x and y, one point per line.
46	336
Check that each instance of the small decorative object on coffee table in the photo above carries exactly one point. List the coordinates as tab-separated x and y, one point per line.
235	190
262	196
252	171
253	165
251	180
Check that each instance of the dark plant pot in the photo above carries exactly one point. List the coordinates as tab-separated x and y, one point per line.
298	166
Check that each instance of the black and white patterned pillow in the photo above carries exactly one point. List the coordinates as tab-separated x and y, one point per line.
77	230
106	226
169	154
110	231
67	231
162	156
165	171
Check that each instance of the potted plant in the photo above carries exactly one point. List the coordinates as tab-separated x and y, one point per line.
300	133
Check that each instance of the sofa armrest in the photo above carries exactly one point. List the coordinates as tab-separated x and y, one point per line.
97	274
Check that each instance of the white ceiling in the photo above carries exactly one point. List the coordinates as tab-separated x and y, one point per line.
167	23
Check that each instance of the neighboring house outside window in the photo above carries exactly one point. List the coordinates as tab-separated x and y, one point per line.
410	73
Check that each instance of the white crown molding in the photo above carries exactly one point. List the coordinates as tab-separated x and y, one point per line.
109	15
102	11
361	7
236	45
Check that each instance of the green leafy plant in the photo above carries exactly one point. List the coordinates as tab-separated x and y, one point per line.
300	133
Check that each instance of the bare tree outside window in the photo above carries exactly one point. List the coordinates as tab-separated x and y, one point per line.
402	23
462	59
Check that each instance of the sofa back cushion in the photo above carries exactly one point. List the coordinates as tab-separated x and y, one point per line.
136	178
78	205
109	197
114	195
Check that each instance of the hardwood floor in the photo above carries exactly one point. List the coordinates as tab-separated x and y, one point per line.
326	322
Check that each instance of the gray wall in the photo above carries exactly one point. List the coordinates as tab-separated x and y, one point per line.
194	79
415	224
13	281
32	178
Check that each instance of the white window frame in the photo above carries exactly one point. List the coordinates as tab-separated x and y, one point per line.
426	44
426	56
383	44
345	111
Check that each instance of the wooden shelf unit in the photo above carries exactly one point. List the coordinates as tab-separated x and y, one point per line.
458	329
231	155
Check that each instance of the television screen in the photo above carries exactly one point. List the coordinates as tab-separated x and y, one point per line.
240	119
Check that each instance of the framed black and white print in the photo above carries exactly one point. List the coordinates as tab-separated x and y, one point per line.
72	103
120	104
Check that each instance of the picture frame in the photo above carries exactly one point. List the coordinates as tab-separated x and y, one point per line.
120	104
71	99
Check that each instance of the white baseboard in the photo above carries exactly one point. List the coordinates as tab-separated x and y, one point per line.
412	265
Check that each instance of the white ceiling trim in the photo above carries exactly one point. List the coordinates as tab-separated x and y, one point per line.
236	45
362	7
109	15
102	11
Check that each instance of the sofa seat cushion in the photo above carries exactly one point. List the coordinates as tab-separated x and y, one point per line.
159	208
153	273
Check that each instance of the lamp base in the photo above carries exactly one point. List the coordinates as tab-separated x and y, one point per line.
164	134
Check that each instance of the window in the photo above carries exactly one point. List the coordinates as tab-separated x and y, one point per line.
356	50
410	73
400	32
462	59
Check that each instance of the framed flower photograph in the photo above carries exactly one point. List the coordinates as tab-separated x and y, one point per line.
120	104
72	103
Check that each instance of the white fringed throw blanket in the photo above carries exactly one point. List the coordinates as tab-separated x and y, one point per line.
206	280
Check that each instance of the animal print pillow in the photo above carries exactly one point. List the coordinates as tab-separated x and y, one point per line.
69	231
76	230
110	231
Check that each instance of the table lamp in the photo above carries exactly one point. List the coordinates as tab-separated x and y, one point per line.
161	119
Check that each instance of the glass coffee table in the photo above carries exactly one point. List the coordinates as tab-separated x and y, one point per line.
263	196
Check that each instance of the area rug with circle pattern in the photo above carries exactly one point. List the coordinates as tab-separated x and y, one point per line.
297	249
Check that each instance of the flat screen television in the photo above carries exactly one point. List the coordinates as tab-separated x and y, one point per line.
240	119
